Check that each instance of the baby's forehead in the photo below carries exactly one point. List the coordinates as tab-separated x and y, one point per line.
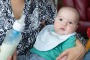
70	11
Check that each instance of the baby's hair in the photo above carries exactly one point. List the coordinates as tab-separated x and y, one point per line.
71	7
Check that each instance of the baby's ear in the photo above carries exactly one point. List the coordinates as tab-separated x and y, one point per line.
77	26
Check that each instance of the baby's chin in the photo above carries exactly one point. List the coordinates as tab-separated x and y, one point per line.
62	33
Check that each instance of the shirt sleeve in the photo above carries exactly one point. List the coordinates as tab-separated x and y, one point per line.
47	11
81	38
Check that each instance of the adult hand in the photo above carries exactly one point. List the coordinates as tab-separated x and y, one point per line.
13	57
75	53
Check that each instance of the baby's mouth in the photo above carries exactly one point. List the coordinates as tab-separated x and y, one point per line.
62	29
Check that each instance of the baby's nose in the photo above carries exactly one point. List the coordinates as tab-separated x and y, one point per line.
64	23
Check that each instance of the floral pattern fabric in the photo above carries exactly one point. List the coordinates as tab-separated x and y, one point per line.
36	11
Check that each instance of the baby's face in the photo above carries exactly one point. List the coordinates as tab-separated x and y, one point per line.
66	22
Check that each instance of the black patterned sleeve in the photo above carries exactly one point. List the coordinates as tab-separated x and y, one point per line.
47	11
81	38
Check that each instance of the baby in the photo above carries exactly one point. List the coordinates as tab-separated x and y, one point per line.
54	39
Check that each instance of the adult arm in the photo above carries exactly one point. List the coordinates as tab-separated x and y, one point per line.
75	53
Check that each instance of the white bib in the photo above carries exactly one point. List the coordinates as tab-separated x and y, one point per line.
47	39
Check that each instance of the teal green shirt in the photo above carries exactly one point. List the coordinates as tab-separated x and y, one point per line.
55	52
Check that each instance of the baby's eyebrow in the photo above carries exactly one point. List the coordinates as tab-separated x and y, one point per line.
59	16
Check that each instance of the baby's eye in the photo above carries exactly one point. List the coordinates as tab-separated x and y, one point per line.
60	19
70	23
